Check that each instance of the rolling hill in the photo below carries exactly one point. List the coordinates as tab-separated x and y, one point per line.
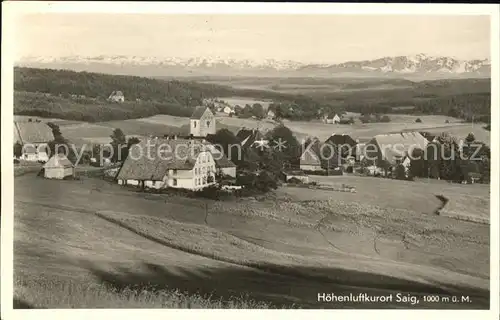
90	243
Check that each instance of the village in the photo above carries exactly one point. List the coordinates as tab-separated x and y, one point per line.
268	159
242	201
390	155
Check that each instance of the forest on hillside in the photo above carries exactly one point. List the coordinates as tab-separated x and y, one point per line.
82	96
71	90
461	98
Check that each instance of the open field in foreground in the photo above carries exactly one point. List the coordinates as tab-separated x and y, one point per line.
90	243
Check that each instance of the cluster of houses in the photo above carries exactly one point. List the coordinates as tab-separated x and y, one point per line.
185	162
383	153
229	110
219	106
392	149
34	137
194	163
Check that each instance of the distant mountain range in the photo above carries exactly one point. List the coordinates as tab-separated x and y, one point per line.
420	66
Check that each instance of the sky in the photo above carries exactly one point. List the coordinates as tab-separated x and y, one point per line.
302	38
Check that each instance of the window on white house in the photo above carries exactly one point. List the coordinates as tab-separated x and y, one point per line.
208	123
194	124
175	171
174	182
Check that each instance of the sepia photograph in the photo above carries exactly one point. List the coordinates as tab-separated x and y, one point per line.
205	160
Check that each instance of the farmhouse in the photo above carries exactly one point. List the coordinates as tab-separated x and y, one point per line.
333	119
34	138
202	122
390	149
250	137
58	167
175	163
345	147
116	96
310	159
223	165
339	140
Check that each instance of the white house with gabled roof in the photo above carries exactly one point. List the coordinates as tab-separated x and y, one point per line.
174	163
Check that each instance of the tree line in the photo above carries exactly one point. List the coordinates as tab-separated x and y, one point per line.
445	159
468	99
82	95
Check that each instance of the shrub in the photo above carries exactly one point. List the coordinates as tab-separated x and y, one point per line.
211	192
385	119
418	120
265	182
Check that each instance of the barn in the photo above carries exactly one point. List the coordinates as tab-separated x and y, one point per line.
390	149
58	167
222	163
34	138
310	159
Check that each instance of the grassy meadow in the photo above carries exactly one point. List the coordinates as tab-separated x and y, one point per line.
91	243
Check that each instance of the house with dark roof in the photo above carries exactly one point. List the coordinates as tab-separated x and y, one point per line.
387	150
58	167
175	163
34	138
202	122
342	139
345	149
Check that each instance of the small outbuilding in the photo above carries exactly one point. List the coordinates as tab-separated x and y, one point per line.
58	167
